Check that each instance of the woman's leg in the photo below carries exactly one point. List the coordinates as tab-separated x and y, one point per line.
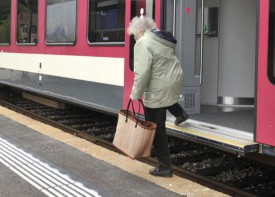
160	143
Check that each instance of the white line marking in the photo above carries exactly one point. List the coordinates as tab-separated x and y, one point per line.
46	179
72	191
22	175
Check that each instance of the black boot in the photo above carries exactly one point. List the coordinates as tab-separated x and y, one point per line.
162	173
181	118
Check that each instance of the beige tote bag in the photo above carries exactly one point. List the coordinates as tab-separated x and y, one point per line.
134	137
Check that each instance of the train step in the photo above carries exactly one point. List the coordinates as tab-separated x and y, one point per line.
223	138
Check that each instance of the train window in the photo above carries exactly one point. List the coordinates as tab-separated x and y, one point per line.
271	42
60	22
27	21
106	21
5	16
140	8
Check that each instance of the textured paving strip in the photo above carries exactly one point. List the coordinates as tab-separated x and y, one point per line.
48	180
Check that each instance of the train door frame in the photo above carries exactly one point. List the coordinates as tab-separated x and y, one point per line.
265	122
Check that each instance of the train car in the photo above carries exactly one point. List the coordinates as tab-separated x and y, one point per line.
80	52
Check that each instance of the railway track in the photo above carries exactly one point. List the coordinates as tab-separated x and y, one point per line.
236	176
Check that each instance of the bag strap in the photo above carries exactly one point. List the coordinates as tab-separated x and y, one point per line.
143	108
128	106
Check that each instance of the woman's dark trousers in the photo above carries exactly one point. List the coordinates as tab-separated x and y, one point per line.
158	116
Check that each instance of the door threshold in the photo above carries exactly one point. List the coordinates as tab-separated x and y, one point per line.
223	138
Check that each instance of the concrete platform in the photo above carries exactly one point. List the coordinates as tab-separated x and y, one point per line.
85	166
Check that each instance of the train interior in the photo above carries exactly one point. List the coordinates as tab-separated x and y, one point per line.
219	83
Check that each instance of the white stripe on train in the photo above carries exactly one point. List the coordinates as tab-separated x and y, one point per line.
104	70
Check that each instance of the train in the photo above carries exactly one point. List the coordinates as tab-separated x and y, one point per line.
79	52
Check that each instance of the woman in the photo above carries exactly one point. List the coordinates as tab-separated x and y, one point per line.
159	77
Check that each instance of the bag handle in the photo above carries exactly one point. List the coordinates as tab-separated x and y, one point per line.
141	102
128	106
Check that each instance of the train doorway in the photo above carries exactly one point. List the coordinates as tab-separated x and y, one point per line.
218	57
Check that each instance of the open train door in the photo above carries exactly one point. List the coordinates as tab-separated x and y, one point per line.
179	17
265	120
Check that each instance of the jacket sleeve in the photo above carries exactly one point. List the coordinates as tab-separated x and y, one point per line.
142	69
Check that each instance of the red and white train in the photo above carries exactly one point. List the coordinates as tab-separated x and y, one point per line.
79	51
